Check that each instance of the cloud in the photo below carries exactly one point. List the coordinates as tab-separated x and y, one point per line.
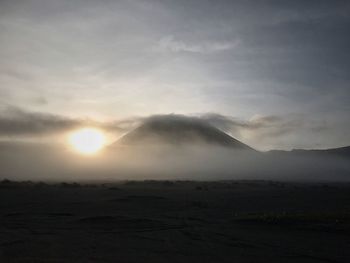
39	101
229	124
263	132
276	125
17	122
14	121
278	57
169	43
280	131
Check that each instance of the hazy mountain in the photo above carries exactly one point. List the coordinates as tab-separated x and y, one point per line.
179	130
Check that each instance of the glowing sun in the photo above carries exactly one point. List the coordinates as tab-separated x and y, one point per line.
87	140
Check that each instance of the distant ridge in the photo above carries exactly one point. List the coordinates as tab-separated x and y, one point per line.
342	151
179	130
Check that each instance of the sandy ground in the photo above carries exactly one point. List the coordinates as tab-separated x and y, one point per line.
164	221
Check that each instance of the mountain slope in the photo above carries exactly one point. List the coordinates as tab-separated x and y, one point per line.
179	130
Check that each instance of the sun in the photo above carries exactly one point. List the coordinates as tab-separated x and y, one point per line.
87	141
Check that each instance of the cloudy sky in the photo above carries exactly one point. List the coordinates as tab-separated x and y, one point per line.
275	74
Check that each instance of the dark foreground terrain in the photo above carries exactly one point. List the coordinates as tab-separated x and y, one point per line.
163	221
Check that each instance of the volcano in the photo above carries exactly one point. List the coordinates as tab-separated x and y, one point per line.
179	130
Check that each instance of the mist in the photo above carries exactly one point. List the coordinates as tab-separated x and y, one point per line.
43	162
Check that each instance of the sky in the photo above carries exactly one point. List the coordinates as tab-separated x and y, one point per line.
274	74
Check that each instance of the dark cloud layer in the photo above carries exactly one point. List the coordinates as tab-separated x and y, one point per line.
260	132
17	122
14	121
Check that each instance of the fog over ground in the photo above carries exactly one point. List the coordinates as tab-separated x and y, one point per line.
165	147
57	163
